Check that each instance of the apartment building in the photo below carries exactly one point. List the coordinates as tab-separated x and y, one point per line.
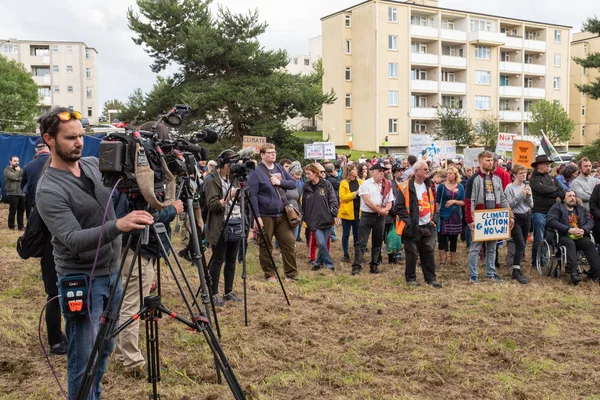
392	63
584	112
66	73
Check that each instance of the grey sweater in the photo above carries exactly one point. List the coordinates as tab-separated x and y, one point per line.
583	187
74	217
517	200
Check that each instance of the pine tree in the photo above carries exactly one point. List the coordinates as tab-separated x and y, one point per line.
592	60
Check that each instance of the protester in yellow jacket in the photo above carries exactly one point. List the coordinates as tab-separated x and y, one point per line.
349	211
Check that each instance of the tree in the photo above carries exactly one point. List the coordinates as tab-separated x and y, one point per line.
452	123
551	117
487	132
111	105
224	73
18	97
591	151
592	60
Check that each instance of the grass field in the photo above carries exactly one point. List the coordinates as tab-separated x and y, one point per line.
344	337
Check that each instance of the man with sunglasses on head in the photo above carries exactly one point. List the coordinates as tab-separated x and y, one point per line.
73	201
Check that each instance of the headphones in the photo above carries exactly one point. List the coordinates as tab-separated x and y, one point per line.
224	157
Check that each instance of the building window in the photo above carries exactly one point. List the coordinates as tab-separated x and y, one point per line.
44	91
418	74
418	48
393	98
482	102
528	82
88	54
348	21
418	101
585	48
447	24
89	111
504	80
69	69
56	89
526	105
417	127
584	71
306	62
452	102
69	89
556	59
55	48
556	83
348	46
482	77
504	105
348	74
39	51
583	111
88	72
481	25
295	61
557	36
10	48
393	42
582	131
40	71
392	14
55	68
482	52
393	125
69	49
448	76
421	21
348	100
348	127
89	92
393	70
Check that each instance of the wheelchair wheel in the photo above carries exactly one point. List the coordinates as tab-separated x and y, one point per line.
545	261
556	272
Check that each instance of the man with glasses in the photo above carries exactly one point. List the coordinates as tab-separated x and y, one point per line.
72	200
264	183
419	232
376	199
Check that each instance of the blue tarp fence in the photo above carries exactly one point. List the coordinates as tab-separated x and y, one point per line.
23	146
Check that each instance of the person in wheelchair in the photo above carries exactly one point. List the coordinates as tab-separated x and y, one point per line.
573	224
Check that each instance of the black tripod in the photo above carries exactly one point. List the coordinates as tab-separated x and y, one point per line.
243	197
151	310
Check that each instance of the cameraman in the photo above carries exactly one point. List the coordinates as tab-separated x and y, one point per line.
72	201
219	200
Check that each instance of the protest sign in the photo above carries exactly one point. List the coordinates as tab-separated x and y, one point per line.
491	225
505	142
523	153
253	141
418	143
444	149
470	155
328	150
320	151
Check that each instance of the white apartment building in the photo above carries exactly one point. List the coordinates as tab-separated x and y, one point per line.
66	73
392	63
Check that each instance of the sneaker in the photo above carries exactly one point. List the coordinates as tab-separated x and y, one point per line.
412	283
374	269
346	257
271	279
575	278
330	267
496	278
217	300
185	254
473	280
58	349
232	297
435	284
517	275
315	267
355	270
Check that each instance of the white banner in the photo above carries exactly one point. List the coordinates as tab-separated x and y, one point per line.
491	224
444	149
418	143
470	155
320	151
505	142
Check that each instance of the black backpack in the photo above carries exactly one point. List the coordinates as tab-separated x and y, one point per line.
35	238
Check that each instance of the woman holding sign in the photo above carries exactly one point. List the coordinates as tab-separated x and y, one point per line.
519	198
450	198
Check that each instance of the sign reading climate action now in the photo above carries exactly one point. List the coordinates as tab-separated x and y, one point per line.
491	225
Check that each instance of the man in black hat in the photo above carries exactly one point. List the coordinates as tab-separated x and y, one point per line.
376	200
545	189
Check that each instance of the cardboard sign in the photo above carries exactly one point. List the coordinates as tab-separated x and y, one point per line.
470	155
444	149
523	153
505	142
418	143
319	151
328	150
253	141
491	225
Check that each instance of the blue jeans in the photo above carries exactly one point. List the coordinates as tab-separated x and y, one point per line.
539	229
468	236
348	224
333	235
490	258
79	338
323	256
296	232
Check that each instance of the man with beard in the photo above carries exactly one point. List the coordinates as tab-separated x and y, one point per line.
72	201
14	194
484	192
585	183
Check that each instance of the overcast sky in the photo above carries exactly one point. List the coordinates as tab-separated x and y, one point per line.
124	66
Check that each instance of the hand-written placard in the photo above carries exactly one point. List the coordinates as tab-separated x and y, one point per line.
491	225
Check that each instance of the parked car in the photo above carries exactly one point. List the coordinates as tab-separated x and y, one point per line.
105	128
563	158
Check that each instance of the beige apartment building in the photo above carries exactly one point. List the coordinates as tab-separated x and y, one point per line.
66	73
391	63
584	112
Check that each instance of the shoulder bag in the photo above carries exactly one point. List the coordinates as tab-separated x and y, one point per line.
294	217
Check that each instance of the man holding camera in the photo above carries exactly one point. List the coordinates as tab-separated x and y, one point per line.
77	209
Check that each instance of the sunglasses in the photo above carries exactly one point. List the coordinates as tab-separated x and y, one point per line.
67	116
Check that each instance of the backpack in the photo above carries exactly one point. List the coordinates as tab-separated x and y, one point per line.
35	238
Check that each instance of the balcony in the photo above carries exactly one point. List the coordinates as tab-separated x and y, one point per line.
424	59
515	42
454	87
452	61
453	35
423	85
504	115
423	112
535	69
488	38
511	91
537	93
46	100
514	67
537	45
39	60
424	31
527	116
42	80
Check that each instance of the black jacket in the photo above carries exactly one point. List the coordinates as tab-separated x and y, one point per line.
558	218
319	205
335	182
412	220
545	189
595	208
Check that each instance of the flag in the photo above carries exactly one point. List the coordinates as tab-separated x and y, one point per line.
350	144
546	145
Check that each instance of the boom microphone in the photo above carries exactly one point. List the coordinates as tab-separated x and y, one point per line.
246	153
207	135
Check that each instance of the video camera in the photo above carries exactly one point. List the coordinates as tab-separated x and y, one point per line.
239	170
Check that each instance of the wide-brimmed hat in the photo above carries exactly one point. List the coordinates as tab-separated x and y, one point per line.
397	167
540	160
378	165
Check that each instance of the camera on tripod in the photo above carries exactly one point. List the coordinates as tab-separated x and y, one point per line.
242	164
